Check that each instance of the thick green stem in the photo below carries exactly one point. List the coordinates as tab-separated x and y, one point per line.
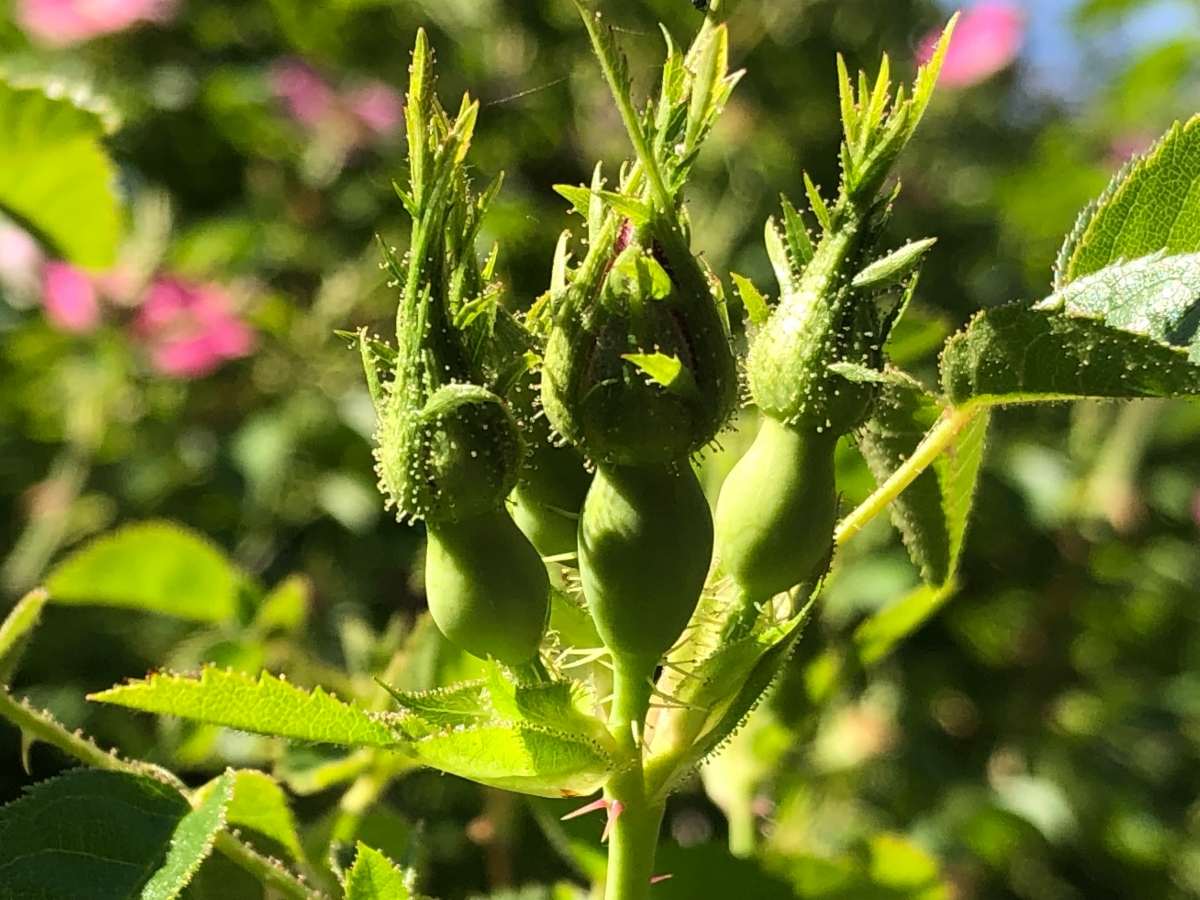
632	844
634	835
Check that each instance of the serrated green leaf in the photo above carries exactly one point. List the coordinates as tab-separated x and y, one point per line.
1152	205
374	877
932	512
1157	295
637	212
121	829
580	198
259	803
755	303
16	630
568	707
1015	354
713	698
266	705
459	706
55	175
876	637
666	371
817	203
520	758
797	236
191	843
152	566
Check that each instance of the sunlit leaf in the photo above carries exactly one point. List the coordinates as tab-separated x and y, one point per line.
259	803
56	177
520	758
266	704
153	566
1151	205
374	877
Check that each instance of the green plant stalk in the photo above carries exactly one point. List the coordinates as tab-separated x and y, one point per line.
938	438
633	839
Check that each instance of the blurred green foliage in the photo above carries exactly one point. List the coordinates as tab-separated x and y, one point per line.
1039	739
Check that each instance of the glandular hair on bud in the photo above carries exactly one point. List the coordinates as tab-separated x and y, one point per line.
457	456
639	369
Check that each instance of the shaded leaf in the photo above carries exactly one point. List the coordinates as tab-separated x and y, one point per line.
153	566
87	835
1015	354
266	704
374	877
932	512
191	843
55	176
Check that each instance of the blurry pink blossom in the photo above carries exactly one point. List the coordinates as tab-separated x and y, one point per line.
307	96
1196	509
60	23
377	106
987	39
69	298
191	329
361	114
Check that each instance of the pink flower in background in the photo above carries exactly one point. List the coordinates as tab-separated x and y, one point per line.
307	96
377	106
191	329
61	23
69	298
987	39
370	110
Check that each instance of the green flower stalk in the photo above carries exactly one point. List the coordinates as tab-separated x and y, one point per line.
449	448
817	362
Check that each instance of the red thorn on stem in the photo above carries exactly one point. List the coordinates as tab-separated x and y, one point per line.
584	810
614	813
657	878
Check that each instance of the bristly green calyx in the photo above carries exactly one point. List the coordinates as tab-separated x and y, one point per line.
830	319
448	446
639	368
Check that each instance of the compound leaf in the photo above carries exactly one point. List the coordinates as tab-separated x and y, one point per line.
152	566
55	176
266	704
88	835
